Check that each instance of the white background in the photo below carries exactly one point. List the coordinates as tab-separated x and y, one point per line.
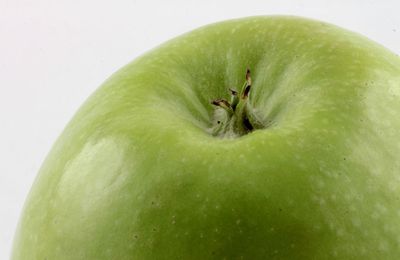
54	54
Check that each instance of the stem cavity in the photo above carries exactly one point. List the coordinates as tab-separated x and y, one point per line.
239	118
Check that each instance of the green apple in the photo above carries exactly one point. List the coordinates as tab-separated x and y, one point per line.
299	160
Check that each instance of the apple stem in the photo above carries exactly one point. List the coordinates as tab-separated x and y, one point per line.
240	118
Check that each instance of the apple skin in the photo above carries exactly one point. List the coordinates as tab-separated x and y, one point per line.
137	175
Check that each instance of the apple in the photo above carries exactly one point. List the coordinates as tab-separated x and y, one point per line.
182	154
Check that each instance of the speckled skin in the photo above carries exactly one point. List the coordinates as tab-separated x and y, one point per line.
136	174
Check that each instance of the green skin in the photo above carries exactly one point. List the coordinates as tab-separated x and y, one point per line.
142	172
